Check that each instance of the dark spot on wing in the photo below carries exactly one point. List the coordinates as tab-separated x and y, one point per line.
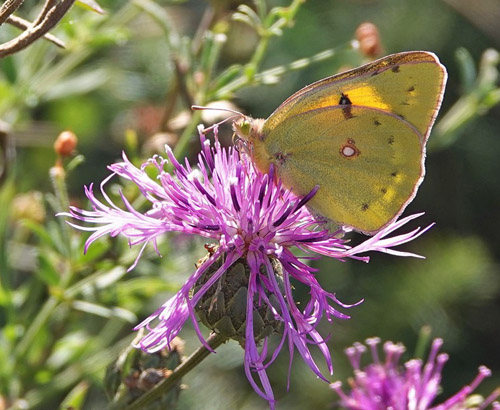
383	190
376	122
395	69
346	102
394	174
364	207
344	99
400	116
391	140
281	157
411	89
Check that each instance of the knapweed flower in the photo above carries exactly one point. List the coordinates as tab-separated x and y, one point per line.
255	223
385	384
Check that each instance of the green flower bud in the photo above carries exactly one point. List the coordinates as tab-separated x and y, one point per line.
223	307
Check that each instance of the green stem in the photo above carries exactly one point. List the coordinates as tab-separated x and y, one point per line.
39	321
448	128
259	78
58	179
185	138
259	53
166	385
90	364
43	316
159	14
423	342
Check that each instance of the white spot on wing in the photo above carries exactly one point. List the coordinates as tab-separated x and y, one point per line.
348	151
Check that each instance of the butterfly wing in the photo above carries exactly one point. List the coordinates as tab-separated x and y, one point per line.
360	136
367	173
409	85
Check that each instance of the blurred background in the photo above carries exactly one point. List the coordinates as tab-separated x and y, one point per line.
124	82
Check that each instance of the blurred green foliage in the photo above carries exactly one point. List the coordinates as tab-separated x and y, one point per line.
126	81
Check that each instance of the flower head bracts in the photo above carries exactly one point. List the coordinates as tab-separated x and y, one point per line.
250	216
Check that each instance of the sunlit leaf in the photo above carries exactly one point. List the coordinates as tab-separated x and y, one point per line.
103	311
91	5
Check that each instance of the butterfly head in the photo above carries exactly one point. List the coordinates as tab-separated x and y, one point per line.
248	129
250	137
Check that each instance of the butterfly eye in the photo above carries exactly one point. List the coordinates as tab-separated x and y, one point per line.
242	128
245	127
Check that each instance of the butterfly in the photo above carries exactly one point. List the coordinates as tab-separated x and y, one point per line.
359	136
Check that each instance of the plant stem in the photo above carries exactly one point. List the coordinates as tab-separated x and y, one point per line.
260	77
58	179
187	134
40	320
42	317
190	363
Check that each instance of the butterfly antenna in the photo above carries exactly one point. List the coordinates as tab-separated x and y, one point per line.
232	117
200	107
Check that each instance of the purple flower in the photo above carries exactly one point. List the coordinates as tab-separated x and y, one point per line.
251	217
387	385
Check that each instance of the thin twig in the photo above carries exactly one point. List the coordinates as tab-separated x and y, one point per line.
53	16
180	74
7	152
169	106
205	23
9	7
180	86
43	12
165	385
25	24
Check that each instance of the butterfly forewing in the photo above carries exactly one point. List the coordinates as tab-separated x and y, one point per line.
409	85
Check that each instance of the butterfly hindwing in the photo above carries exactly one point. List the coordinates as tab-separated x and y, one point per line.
367	173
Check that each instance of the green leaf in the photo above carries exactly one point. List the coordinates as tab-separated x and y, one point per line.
76	396
40	232
94	252
47	271
103	311
107	279
75	163
148	287
228	75
69	348
90	5
467	68
78	84
98	280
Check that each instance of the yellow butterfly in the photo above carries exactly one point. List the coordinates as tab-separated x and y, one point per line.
360	136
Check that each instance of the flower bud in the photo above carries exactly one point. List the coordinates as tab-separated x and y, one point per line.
28	206
369	39
135	372
65	143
